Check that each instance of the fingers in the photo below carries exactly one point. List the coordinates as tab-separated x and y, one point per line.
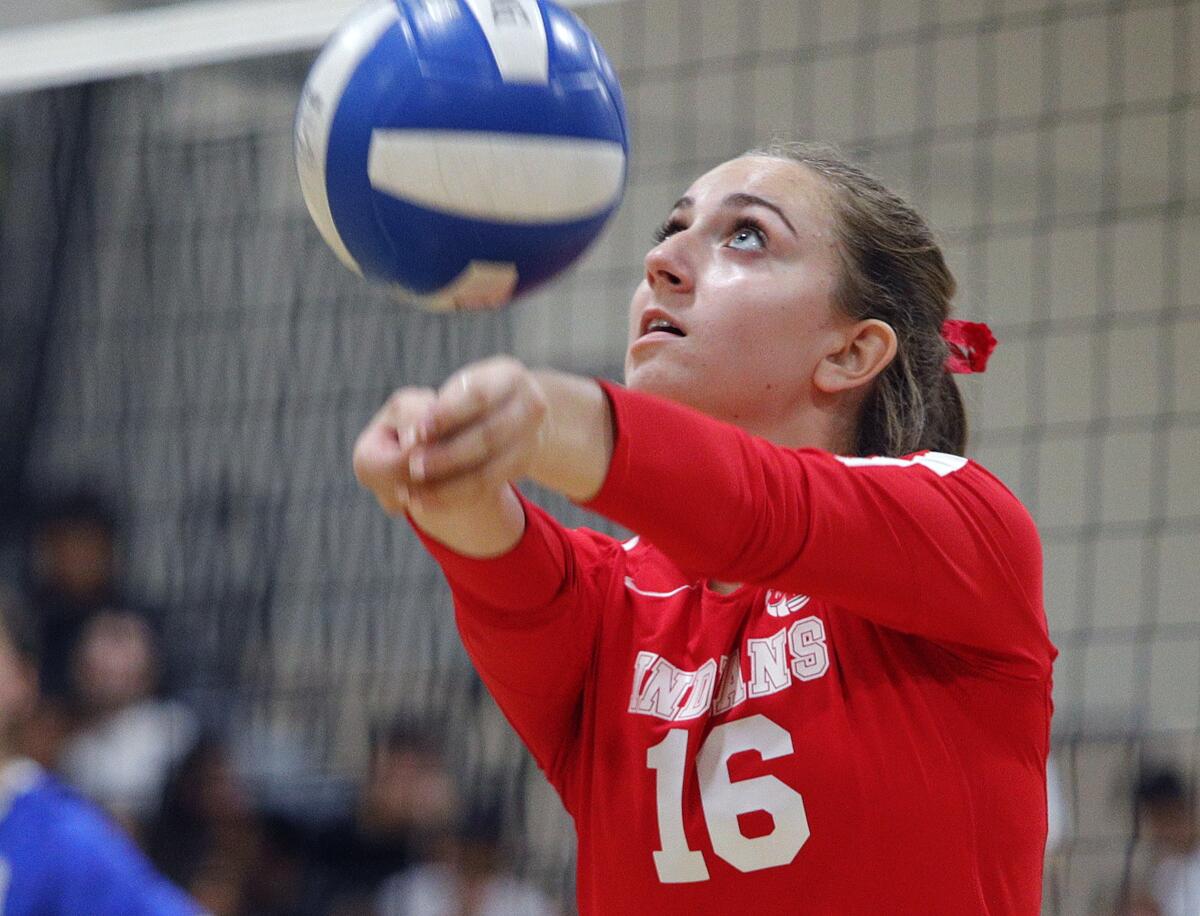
404	412
472	486
381	452
512	425
376	453
463	443
469	394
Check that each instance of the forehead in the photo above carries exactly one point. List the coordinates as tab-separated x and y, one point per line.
797	190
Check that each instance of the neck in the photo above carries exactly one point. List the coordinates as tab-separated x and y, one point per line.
806	418
823	426
723	588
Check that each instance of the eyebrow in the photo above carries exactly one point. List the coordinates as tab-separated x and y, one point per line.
741	199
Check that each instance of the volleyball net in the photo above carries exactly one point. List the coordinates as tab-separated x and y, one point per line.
176	333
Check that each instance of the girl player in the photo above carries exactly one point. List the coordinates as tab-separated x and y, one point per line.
817	680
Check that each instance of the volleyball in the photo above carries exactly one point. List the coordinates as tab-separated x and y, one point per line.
462	152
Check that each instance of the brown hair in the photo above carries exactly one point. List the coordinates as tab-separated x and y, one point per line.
894	271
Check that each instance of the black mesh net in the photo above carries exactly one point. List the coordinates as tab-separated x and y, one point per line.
176	334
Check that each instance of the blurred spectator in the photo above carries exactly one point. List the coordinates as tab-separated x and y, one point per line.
1167	819
206	836
283	881
58	855
470	877
127	739
408	800
73	573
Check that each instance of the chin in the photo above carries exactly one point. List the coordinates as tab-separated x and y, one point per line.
665	383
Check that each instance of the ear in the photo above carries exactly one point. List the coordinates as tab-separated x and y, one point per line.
867	347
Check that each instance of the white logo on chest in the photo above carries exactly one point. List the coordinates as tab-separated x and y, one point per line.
780	604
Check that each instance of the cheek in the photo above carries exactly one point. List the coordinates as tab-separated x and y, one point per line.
637	304
753	324
778	343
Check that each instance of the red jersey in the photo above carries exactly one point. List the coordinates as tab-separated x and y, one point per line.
860	728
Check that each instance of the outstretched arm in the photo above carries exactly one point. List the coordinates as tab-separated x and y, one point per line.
447	457
526	590
939	551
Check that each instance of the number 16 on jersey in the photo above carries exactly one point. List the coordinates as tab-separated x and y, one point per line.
724	800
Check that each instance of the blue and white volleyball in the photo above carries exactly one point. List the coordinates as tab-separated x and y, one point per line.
461	151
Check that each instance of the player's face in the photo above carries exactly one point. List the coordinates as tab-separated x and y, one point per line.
745	273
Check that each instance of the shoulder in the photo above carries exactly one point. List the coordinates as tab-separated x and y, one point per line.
597	554
597	543
954	477
98	861
987	500
960	501
982	503
59	825
929	466
76	826
640	556
631	563
650	573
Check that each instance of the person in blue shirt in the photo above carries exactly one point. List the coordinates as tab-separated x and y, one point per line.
58	853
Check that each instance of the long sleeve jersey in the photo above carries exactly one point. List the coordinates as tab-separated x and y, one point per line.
860	728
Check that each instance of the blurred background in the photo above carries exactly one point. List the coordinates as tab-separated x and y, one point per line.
256	671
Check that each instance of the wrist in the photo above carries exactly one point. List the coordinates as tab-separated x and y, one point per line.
575	442
487	527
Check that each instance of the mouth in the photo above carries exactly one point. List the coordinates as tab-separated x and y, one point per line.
656	322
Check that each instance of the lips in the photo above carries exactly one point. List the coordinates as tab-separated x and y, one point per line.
656	321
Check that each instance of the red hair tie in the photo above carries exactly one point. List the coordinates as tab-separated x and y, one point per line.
971	343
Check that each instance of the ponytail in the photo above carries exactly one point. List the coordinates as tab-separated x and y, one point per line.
893	270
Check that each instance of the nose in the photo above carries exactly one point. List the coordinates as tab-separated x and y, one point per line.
668	267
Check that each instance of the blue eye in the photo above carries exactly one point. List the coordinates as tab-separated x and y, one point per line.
749	236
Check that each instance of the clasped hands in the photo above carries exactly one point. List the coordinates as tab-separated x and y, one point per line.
429	451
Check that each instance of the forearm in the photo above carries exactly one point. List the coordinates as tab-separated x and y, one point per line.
577	441
572	458
449	458
540	601
486	528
